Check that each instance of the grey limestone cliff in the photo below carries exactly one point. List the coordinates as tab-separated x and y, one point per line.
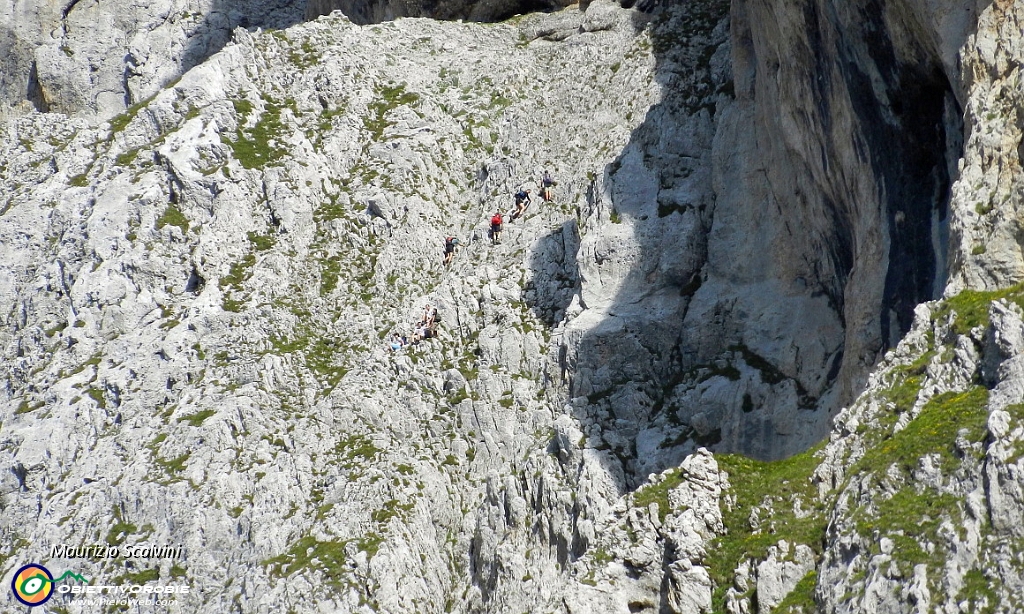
759	354
94	59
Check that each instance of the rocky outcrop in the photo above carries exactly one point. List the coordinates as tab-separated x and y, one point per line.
818	185
986	223
94	59
375	11
753	203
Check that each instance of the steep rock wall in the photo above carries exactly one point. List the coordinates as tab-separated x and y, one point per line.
988	225
804	169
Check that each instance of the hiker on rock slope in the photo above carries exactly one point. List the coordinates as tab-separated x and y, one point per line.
523	200
450	245
496	228
546	183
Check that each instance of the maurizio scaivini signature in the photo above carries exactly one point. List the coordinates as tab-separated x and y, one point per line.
36	583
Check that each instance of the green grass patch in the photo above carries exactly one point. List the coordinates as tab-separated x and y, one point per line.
327	557
242	107
261	144
754	483
142	577
801	598
328	115
237	275
283	345
933	431
121	529
120	122
902	396
174	465
658	493
977	589
172	216
330	272
912	516
261	243
320	358
198	418
391	509
971	307
386	98
356	450
126	158
97	396
25	407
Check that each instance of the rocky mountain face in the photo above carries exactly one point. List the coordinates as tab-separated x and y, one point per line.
375	11
766	217
93	59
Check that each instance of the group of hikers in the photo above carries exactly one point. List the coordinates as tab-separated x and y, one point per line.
426	328
522	201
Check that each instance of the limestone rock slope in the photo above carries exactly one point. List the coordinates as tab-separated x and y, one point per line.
756	211
375	11
200	291
94	59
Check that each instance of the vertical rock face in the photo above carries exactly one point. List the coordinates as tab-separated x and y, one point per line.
770	228
988	222
753	198
854	130
94	59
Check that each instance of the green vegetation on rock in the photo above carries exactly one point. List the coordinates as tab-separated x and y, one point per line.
197	418
172	216
121	529
788	506
933	431
658	493
971	306
386	98
262	144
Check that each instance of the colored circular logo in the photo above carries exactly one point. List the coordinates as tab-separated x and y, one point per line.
32	585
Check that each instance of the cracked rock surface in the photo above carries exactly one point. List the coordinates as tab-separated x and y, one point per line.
629	403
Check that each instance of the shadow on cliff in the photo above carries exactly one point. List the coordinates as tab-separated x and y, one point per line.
781	212
214	31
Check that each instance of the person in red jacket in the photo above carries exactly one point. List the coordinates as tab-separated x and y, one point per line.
496	228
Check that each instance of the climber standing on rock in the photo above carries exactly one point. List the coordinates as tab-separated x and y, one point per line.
450	245
546	183
523	200
496	228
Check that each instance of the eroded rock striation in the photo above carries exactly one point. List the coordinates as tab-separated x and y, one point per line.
766	217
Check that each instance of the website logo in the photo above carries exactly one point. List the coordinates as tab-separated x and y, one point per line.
33	584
